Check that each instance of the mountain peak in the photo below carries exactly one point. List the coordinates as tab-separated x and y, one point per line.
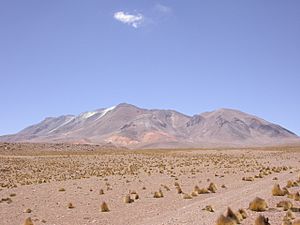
130	126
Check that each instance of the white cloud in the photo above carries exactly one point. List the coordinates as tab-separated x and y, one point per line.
130	19
163	8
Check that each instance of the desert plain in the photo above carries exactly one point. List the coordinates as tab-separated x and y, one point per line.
65	184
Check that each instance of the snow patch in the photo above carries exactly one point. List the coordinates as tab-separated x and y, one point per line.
87	114
105	111
61	125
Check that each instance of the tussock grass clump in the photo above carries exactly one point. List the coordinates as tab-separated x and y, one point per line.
7	200
222	220
296	196
136	196
166	187
289	215
203	191
286	222
71	206
196	189
290	184
243	213
258	205
28	221
296	222
101	192
277	191
248	179
230	214
285	205
104	207
194	193
295	209
186	196
212	188
262	220
179	190
208	208
158	194
127	199
27	210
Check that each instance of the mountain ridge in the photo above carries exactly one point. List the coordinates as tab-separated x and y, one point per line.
127	125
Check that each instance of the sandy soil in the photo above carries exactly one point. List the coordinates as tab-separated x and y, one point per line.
34	180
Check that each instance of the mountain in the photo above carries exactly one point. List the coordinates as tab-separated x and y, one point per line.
130	126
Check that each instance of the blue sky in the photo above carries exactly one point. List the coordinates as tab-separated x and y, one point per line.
69	56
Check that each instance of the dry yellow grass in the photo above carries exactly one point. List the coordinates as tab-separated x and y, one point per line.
277	191
28	221
70	205
296	222
261	220
258	204
127	199
285	205
208	208
186	196
230	214
104	207
222	220
243	213
212	188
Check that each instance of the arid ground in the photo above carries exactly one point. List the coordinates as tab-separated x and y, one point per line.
67	185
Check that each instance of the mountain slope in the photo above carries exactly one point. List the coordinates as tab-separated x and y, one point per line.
130	126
